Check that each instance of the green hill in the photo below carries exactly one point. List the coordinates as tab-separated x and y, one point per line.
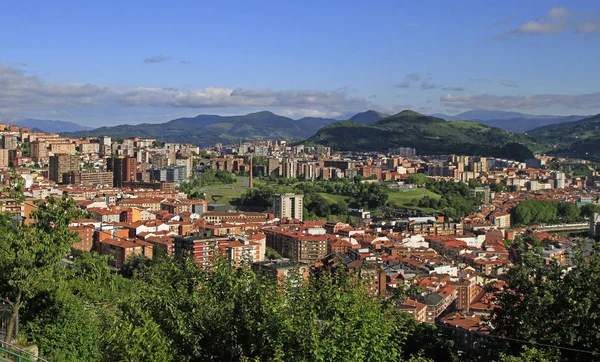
429	135
367	117
580	139
206	130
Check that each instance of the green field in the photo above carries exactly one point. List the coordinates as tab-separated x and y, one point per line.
399	199
405	198
227	192
333	198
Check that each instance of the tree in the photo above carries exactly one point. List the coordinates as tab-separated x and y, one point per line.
532	355
135	266
543	303
418	179
30	255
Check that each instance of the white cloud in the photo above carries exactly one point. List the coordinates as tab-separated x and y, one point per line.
558	13
557	20
588	27
508	83
20	91
536	27
536	101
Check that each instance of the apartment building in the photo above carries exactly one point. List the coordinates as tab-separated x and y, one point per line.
288	206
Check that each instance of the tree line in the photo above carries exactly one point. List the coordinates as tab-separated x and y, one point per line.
536	212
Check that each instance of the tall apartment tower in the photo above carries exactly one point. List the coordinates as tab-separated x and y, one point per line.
559	179
288	206
105	145
61	164
123	168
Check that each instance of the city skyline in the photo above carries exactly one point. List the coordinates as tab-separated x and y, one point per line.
112	64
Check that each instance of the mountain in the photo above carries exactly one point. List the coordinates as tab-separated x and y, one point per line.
316	122
428	134
367	117
47	126
510	121
580	139
206	130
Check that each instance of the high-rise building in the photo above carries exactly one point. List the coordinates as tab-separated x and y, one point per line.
9	141
171	174
559	179
105	145
61	164
4	158
288	206
124	169
39	150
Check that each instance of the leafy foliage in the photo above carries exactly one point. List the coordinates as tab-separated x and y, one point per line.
456	200
535	212
546	304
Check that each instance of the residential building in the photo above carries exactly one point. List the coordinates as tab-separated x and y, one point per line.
288	206
89	179
61	164
297	245
201	246
39	150
120	249
281	269
124	169
4	158
9	141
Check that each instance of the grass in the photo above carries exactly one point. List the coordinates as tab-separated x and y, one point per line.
405	198
228	192
332	197
402	199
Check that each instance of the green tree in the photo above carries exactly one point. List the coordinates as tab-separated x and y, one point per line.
543	303
30	255
418	179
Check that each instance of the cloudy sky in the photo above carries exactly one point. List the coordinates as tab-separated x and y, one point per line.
105	63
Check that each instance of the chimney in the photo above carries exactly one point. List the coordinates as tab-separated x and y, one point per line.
250	181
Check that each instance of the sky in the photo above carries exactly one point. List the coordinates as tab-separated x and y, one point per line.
107	63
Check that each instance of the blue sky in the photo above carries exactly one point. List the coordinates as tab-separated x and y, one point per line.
123	62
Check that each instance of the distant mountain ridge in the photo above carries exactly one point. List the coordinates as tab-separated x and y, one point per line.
207	130
579	139
428	134
48	126
509	121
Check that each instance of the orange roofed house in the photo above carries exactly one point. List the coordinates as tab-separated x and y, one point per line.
120	249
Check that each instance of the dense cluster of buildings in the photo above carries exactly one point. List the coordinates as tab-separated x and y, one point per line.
129	189
96	161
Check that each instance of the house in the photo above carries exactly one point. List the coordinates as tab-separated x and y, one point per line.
120	249
417	309
86	236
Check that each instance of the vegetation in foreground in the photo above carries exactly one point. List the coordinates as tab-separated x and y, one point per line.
175	310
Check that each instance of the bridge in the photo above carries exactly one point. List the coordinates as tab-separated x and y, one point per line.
577	227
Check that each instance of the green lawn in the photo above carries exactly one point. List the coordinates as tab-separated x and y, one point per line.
227	192
233	191
333	198
405	198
